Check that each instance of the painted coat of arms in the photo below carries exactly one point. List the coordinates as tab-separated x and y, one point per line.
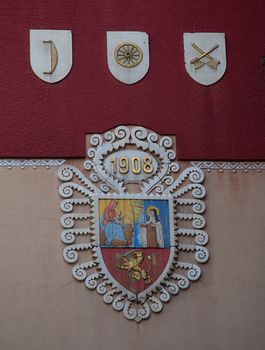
127	216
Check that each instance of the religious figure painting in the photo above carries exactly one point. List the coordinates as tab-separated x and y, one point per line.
139	223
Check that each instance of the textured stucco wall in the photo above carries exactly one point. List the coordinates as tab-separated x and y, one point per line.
223	121
43	307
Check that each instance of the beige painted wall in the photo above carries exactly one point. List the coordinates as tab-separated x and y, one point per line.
43	307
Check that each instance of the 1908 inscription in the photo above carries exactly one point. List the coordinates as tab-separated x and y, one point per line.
132	166
135	164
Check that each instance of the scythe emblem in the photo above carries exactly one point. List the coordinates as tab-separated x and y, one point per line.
126	240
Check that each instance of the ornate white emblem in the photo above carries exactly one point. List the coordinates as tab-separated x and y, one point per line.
139	211
128	55
51	54
205	56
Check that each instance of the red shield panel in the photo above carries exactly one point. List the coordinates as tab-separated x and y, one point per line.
135	269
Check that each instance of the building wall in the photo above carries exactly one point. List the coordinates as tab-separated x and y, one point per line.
222	121
43	307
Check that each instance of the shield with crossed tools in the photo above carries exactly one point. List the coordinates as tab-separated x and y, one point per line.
205	56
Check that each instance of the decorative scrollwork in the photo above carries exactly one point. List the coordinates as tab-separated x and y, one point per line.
128	311
164	295
182	281
198	221
144	312
68	236
122	133
201	236
91	281
139	133
173	167
108	297
67	205
68	172
159	188
156	305
66	190
201	255
117	304
101	288
196	176
96	140
172	288
70	252
184	192
88	165
194	271
68	220
198	206
79	271
109	136
152	137
166	142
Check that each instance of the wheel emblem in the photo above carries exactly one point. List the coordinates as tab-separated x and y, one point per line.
128	55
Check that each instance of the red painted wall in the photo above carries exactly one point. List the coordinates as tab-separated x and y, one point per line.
223	121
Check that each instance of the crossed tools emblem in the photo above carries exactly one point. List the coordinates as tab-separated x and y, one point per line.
212	63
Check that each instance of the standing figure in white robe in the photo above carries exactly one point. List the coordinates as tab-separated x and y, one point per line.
152	230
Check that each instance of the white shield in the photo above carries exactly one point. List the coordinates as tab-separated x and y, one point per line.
51	54
128	55
205	56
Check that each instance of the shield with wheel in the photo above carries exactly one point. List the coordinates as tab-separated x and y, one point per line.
128	55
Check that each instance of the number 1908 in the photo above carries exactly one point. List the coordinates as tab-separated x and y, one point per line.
134	164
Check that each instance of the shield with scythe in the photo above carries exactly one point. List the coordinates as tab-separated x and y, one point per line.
51	54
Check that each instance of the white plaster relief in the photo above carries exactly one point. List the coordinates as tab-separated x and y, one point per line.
81	227
31	163
246	166
210	68
41	53
124	74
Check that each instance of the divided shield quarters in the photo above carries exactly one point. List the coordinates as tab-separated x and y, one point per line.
135	236
139	212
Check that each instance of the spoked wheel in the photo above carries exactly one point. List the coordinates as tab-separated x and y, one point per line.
128	55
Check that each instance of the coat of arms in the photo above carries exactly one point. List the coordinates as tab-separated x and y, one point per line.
51	54
128	55
205	56
139	211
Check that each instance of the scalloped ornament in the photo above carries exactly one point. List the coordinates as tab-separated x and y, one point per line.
141	211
